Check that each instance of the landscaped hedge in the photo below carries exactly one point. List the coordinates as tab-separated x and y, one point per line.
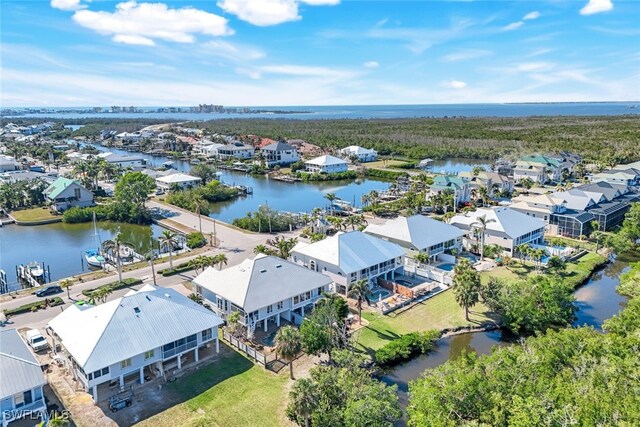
114	286
195	240
26	308
405	347
336	176
180	268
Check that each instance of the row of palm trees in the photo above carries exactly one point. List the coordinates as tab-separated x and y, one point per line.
90	170
204	261
527	252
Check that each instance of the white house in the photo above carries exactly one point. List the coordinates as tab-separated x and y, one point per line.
21	379
124	161
363	154
264	289
235	151
8	163
506	227
66	193
181	179
279	153
419	233
349	257
326	164
149	332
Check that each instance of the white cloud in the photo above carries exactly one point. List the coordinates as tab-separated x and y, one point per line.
264	13
513	26
534	66
531	15
371	64
235	52
142	23
454	84
306	71
67	4
466	54
596	6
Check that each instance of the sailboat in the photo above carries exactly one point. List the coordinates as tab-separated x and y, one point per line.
92	256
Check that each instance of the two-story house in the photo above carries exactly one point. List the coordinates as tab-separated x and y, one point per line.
264	290
279	153
66	193
505	227
492	181
21	380
326	164
456	185
362	154
351	256
236	150
146	333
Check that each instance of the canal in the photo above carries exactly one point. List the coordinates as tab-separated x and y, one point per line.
597	301
61	245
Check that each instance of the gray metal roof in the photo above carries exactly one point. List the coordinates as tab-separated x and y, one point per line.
260	282
418	231
19	369
101	336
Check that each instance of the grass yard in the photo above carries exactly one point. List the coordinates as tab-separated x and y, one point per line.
439	312
229	392
382	164
34	215
575	274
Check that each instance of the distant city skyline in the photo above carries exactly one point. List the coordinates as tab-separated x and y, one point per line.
76	53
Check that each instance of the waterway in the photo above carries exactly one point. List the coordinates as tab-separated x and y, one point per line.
597	301
375	111
61	245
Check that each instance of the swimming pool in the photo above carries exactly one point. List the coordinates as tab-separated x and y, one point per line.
447	266
378	294
270	339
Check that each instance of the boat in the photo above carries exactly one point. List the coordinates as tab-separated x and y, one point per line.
194	161
92	256
168	165
35	270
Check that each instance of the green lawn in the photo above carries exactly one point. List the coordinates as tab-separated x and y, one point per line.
576	271
439	312
381	164
229	392
33	215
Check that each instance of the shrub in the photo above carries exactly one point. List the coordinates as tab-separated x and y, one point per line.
385	174
34	306
307	177
180	268
405	347
195	240
114	285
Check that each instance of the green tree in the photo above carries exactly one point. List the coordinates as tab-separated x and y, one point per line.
283	245
466	285
116	246
360	292
233	322
556	265
303	400
331	197
220	260
480	225
67	284
288	345
132	192
169	239
200	205
203	171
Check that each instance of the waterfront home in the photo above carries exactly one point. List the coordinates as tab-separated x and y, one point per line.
65	193
505	227
351	256
541	168
419	233
362	154
181	180
623	176
235	151
207	148
124	161
455	185
326	164
492	181
21	380
144	334
279	153
264	290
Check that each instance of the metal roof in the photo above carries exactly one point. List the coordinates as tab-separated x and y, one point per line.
278	146
352	251
262	281
100	336
19	369
326	160
418	231
509	221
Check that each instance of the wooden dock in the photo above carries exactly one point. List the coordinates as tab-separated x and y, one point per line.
4	283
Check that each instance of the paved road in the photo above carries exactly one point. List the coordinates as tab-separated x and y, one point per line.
235	244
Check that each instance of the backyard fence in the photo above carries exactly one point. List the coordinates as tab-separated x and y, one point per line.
245	348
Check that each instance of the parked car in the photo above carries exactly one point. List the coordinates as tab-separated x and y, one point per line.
48	290
159	192
36	341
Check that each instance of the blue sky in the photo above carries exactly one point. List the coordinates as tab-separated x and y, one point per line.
317	52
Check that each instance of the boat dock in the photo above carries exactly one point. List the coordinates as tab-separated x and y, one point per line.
26	276
4	283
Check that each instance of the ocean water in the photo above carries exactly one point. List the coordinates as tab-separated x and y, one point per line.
379	111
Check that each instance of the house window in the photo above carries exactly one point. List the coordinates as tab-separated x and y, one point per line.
99	373
76	193
280	305
148	354
207	334
312	265
125	363
269	308
320	290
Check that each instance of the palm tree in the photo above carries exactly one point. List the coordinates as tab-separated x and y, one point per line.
283	245
288	345
353	221
66	284
466	285
199	203
330	197
149	257
168	239
481	225
263	249
221	259
483	193
360	292
304	400
116	245
421	257
522	251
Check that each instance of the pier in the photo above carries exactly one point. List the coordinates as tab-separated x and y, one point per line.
4	283
28	277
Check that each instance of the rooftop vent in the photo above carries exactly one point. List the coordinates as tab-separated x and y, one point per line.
167	295
136	309
147	297
263	271
279	266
